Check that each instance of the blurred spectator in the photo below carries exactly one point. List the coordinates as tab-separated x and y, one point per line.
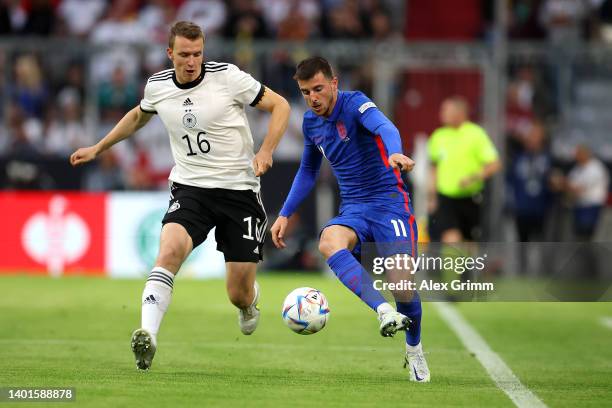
344	21
528	181
16	16
30	91
40	18
563	20
65	131
519	105
156	18
24	134
527	99
117	96
211	15
120	24
524	19
587	184
276	12
80	16
6	25
119	27
245	21
291	145
380	26
605	18
300	252
105	174
152	142
73	82
294	26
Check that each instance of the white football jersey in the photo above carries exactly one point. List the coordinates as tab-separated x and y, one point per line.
206	120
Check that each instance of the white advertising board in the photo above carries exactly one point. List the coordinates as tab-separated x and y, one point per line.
132	240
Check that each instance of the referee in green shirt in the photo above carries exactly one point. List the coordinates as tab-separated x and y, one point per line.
463	157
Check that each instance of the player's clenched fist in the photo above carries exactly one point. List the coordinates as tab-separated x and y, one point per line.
83	155
278	231
399	161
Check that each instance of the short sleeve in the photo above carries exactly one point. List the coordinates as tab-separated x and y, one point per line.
146	104
432	148
243	87
486	152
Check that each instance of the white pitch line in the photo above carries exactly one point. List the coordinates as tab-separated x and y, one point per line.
498	370
606	322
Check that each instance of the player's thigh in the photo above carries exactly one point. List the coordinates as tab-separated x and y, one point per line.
190	207
241	226
394	230
336	237
175	245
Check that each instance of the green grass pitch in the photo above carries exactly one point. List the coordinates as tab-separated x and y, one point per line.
74	332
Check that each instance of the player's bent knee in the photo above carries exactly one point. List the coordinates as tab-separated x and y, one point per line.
328	247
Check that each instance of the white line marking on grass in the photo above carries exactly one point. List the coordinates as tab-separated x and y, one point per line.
498	370
606	322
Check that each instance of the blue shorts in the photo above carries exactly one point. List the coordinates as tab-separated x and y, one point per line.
391	226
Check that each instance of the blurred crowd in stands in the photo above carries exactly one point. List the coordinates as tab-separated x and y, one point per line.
45	115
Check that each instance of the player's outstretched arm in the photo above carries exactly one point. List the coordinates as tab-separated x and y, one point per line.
280	110
303	183
130	123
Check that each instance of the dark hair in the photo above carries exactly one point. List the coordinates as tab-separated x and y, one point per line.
186	29
309	67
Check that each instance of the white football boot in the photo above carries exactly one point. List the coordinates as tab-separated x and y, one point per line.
392	322
249	318
416	364
143	347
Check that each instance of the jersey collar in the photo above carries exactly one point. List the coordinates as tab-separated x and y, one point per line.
337	108
189	85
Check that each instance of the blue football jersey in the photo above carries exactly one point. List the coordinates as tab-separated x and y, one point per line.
357	156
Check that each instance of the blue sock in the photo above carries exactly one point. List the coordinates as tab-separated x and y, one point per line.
353	276
413	310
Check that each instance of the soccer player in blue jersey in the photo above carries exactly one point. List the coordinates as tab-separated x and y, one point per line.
365	152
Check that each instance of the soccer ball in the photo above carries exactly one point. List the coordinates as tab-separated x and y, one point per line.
305	310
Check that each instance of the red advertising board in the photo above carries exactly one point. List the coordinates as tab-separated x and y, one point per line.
55	233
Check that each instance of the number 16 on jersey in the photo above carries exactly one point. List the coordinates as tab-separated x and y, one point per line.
203	144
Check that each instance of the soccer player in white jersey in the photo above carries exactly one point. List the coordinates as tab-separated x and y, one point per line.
215	182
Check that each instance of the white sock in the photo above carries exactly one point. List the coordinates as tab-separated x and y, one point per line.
156	299
412	349
384	308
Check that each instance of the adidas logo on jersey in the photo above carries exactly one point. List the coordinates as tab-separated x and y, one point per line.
187	102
